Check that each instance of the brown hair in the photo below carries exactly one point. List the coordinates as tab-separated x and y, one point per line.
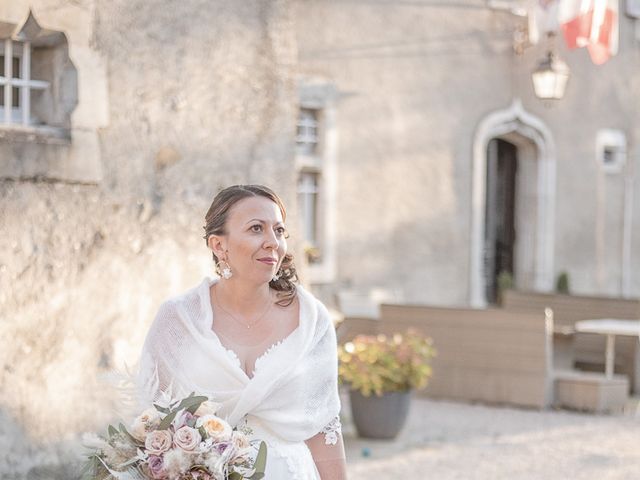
216	219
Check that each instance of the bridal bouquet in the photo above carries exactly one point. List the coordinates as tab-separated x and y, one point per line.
183	440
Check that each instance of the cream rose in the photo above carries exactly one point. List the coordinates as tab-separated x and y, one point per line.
148	421
240	439
187	438
158	442
208	408
215	427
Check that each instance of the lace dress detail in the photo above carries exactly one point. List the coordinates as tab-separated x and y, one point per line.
331	431
236	359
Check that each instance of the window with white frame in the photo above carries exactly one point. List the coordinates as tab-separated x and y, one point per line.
39	92
307	131
308	199
17	87
309	180
611	150
316	158
38	84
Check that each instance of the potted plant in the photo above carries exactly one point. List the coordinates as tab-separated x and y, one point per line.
381	372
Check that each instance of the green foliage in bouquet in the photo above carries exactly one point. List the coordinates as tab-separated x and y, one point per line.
142	452
380	364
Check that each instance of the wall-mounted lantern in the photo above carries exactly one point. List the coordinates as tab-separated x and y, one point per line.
550	77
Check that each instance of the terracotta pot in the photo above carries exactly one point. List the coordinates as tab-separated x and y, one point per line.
379	417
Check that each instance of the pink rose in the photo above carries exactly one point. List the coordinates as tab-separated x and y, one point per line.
157	442
187	438
156	467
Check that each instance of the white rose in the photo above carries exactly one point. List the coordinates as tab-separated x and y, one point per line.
208	408
158	442
215	427
187	438
242	447
148	421
240	439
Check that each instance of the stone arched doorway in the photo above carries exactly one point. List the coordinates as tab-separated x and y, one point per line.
513	194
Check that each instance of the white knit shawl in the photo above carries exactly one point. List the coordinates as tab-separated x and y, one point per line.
293	393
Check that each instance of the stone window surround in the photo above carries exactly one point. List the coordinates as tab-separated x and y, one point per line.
72	153
321	95
612	142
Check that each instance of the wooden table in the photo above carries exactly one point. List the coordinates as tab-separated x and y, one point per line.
610	327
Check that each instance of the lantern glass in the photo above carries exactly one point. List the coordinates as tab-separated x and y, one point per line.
550	78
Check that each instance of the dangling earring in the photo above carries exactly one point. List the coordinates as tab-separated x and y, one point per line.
224	271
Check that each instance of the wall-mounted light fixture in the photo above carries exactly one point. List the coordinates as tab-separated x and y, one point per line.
550	77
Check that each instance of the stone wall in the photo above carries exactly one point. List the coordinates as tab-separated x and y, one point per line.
201	95
414	80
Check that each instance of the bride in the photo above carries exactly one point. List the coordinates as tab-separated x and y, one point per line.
254	341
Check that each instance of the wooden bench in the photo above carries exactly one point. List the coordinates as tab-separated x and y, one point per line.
350	327
587	350
489	355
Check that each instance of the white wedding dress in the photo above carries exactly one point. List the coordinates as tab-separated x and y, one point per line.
291	397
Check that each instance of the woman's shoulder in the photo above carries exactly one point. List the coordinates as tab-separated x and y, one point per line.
190	301
312	302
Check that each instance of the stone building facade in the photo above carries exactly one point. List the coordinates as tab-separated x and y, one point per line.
376	121
427	93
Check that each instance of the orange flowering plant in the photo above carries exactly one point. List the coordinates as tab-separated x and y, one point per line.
380	363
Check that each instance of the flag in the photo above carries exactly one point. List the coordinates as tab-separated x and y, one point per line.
604	32
592	24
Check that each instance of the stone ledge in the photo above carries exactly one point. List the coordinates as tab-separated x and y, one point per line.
39	134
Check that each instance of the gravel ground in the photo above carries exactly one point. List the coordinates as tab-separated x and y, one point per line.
446	441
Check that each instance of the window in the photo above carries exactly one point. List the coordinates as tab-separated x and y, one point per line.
611	150
308	200
38	84
316	152
40	108
16	84
309	180
307	132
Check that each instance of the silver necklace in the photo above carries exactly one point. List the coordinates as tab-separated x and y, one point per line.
247	325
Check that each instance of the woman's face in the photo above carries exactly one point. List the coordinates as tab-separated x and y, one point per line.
254	244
